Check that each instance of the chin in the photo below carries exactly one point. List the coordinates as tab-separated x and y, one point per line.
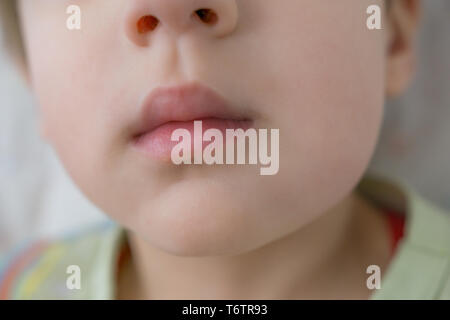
197	222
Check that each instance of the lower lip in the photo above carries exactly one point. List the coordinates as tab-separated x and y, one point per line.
157	144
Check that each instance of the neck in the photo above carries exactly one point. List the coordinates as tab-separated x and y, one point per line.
308	263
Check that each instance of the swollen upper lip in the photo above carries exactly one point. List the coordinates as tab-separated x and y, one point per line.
185	103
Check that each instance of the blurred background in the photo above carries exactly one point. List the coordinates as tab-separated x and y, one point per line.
37	197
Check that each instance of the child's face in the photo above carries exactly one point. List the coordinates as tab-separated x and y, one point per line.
308	68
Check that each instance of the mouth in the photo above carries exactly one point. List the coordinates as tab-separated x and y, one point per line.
167	109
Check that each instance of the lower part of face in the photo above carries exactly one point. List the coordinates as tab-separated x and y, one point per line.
308	68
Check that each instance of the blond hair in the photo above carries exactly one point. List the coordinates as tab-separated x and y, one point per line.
10	31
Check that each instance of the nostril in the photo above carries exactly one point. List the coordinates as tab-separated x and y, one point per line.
147	23
207	16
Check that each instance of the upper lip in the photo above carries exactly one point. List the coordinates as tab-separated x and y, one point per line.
186	102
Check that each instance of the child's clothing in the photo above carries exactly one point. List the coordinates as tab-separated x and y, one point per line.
396	223
419	269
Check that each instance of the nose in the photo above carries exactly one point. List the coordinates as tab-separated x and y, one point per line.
214	18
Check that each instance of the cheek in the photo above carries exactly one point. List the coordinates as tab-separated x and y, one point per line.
327	98
318	75
74	89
